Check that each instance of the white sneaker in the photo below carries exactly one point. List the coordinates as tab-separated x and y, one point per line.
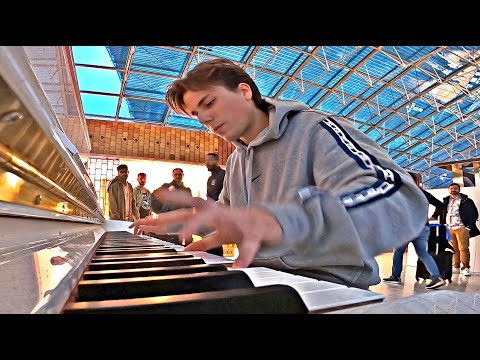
466	272
455	270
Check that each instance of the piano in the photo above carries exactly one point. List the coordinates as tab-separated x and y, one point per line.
60	255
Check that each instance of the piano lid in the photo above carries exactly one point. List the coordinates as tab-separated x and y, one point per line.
41	173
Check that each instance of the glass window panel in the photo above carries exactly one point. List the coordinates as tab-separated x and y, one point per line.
93	55
98	80
96	106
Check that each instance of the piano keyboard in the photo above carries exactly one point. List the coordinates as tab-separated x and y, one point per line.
142	274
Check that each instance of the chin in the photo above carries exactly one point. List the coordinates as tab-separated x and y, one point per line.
225	137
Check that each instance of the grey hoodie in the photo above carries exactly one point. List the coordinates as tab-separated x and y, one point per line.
340	199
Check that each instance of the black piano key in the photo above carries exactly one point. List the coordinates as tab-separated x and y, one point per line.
272	299
131	237
137	246
110	289
117	233
125	242
138	250
130	245
173	239
134	251
133	247
158	271
131	257
144	264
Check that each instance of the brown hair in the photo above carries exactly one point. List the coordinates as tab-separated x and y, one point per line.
215	155
416	177
216	72
455	184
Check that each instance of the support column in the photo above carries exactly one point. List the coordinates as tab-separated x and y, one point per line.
476	172
457	174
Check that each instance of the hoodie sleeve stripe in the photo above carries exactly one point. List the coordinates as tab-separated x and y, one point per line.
389	180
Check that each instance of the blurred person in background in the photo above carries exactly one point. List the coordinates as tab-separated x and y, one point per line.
215	181
143	196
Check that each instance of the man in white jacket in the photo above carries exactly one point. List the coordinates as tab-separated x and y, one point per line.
305	192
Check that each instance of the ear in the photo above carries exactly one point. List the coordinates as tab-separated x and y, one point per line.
246	90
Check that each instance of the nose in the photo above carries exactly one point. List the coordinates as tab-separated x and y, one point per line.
204	118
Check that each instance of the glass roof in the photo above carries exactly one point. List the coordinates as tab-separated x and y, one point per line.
421	103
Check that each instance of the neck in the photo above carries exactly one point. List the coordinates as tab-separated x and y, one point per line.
259	121
141	187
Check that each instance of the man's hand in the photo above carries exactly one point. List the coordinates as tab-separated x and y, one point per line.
248	227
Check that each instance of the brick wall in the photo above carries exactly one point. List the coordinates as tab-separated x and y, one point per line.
75	133
109	138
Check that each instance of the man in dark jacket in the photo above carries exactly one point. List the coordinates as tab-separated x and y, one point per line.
214	186
174	185
215	181
161	207
461	214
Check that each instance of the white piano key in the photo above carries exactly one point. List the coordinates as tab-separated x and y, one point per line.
165	243
254	269
267	274
285	280
207	257
337	297
317	285
316	294
210	258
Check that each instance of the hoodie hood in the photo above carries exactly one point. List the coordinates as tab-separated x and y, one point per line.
279	114
277	121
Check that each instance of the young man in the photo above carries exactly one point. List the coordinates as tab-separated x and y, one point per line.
460	214
304	192
215	181
122	205
143	196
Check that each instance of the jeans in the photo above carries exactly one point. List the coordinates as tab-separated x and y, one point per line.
421	247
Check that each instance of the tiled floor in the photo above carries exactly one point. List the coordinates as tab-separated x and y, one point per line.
409	286
461	296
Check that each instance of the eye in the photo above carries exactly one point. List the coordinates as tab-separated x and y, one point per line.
210	103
